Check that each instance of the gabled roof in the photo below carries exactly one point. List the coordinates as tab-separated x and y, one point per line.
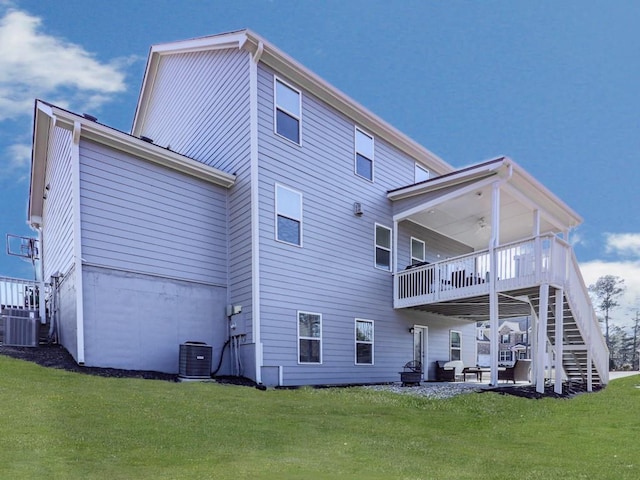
518	183
47	115
284	65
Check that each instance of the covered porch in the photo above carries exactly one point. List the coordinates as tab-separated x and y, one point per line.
519	264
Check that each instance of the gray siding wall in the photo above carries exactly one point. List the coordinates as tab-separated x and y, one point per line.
138	322
201	108
141	217
437	247
333	273
58	213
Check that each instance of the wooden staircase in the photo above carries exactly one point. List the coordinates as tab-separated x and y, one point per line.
575	359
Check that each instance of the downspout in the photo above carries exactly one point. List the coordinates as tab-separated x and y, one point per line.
255	211
77	240
494	312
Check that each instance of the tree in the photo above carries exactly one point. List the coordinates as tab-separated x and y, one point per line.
636	331
607	290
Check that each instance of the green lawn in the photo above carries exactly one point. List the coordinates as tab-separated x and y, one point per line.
61	425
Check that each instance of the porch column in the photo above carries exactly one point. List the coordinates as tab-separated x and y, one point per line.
542	336
557	382
394	265
494	312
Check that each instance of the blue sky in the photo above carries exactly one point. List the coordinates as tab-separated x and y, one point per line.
552	84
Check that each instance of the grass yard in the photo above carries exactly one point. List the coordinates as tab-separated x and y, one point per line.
60	425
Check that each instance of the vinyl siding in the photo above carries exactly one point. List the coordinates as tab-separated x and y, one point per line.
437	247
141	217
200	107
58	211
333	272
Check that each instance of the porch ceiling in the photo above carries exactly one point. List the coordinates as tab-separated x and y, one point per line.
467	218
477	308
459	205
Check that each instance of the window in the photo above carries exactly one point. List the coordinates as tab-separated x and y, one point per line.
288	215
309	337
364	342
287	111
421	174
504	338
417	251
383	247
455	345
505	356
364	155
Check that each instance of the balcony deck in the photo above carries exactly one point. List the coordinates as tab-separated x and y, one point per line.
520	267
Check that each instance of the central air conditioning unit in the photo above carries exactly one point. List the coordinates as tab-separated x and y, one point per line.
20	328
195	361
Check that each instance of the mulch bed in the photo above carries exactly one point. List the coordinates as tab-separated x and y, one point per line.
56	356
569	390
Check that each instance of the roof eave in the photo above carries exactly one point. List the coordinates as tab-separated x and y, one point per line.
46	114
42	122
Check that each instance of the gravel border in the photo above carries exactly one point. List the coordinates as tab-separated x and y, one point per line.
436	390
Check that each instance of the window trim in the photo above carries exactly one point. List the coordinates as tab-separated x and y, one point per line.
376	246
419	260
356	341
299	337
276	107
277	214
415	173
451	347
355	153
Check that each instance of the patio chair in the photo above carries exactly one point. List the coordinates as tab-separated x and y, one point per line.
458	367
448	371
520	372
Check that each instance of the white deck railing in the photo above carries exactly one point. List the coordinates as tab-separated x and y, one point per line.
519	264
18	293
522	264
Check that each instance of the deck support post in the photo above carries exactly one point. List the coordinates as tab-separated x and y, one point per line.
494	313
542	336
557	381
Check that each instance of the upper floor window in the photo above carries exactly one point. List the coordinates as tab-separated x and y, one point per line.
383	247
420	174
417	251
309	337
287	111
504	338
364	342
455	345
364	155
288	215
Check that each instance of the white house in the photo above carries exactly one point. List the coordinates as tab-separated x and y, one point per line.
256	208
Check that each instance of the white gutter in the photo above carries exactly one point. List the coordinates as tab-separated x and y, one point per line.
255	212
77	240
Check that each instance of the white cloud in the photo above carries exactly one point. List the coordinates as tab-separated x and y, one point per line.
17	159
34	64
626	244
